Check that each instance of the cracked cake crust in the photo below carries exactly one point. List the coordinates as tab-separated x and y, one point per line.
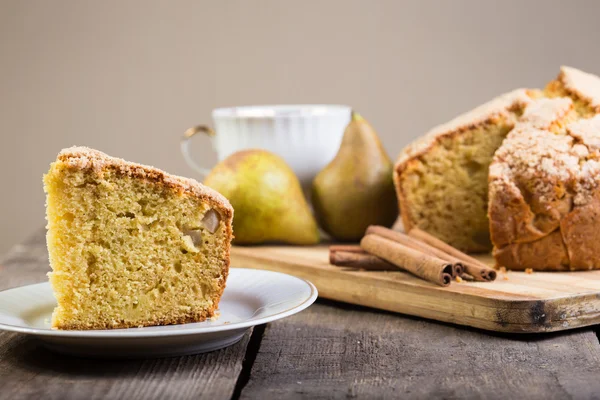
85	158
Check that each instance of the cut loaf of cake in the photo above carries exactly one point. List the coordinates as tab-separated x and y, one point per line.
544	204
131	245
442	178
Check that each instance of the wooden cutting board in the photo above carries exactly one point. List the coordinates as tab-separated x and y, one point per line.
516	302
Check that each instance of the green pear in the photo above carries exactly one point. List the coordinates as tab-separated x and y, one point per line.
267	199
356	188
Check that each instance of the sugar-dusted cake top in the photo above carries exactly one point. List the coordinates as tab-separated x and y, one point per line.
546	161
575	83
86	158
581	85
587	131
544	113
503	106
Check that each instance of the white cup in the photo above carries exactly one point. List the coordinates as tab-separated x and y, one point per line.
307	137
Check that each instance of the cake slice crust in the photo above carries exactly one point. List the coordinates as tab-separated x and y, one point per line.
131	245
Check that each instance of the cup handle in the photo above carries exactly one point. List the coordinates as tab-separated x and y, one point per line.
185	147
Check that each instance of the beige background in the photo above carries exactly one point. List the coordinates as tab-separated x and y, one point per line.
128	77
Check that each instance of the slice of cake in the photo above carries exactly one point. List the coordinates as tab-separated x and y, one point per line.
131	245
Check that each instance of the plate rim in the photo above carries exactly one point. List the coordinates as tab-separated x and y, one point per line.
174	331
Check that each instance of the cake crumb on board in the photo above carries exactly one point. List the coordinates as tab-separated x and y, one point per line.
503	271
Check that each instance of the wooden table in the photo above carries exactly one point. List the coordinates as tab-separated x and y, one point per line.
331	350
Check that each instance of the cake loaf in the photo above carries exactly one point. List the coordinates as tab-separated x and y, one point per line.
544	204
442	178
131	245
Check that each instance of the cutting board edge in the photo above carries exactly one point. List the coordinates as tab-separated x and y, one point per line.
523	315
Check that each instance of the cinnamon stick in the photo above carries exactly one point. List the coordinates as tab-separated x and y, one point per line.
472	266
399	237
362	260
467	277
420	264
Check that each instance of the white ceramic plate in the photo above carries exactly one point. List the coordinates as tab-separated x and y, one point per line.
252	297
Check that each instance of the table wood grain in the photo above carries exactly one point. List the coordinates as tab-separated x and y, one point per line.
329	351
332	351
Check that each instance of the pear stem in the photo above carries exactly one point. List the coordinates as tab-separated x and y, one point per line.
356	116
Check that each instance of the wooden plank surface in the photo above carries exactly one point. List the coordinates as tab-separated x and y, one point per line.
335	352
516	302
27	370
330	350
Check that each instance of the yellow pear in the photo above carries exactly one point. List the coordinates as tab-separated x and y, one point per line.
356	188
267	199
